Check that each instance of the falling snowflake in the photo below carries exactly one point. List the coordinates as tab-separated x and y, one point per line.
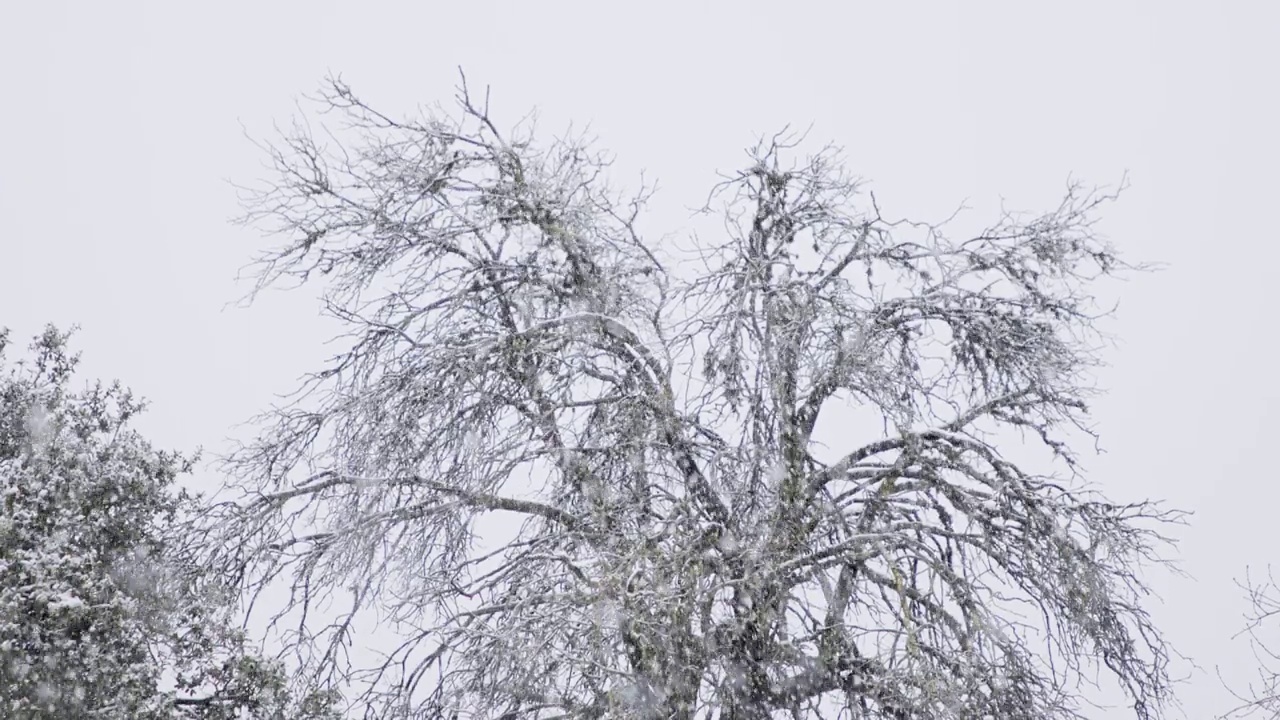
39	425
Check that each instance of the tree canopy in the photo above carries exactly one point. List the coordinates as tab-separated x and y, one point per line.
103	612
693	527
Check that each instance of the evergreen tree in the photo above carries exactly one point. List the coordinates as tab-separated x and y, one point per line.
102	613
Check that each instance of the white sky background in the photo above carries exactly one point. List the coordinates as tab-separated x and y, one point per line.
120	124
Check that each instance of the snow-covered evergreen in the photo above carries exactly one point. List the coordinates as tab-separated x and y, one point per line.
103	616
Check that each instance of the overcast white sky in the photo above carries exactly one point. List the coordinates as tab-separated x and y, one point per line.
120	124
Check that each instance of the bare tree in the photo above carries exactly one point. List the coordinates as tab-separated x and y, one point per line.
1262	697
680	543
